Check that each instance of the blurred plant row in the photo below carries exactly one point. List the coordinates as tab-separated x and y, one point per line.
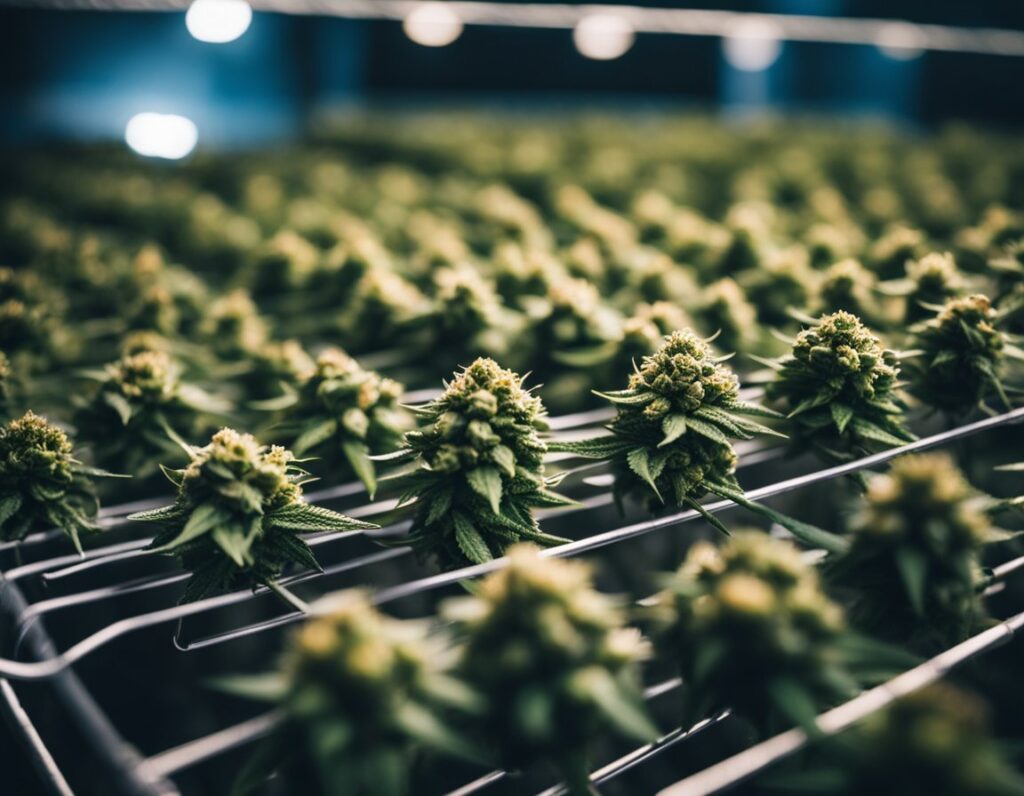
697	286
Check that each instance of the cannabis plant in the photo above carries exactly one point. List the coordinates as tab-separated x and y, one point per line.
42	484
847	286
553	662
478	468
751	629
937	741
468	317
237	517
912	570
275	370
233	327
933	279
343	414
961	356
140	406
671	438
839	388
362	695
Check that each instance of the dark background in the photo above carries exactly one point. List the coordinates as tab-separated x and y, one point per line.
83	74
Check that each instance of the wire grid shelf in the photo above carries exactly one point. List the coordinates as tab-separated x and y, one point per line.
35	656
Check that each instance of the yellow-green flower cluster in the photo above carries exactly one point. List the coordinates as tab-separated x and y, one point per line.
480	468
751	628
553	662
238	514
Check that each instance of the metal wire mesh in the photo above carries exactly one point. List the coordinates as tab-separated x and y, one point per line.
155	774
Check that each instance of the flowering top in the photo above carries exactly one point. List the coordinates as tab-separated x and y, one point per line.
140	403
237	515
931	280
674	423
962	355
343	413
360	695
847	286
537	633
41	483
276	365
915	553
468	314
839	387
937	740
358	687
480	468
233	326
752	629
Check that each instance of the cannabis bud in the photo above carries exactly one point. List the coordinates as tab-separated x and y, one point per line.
553	662
933	279
237	516
363	693
480	468
468	315
935	741
343	413
42	484
726	311
233	327
140	404
847	286
276	366
751	629
913	564
674	424
839	387
962	356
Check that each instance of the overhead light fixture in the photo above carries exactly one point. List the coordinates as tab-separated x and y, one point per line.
752	44
218	21
603	37
901	41
433	24
161	135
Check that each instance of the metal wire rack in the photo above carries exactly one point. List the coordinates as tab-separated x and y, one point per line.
35	656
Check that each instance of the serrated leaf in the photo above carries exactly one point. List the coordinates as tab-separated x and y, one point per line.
469	540
295	550
841	415
9	505
486	482
120	405
309	517
203	519
440	503
627	397
358	457
603	447
639	462
234	542
805	532
870	431
97	472
673	427
424	726
314	435
624	712
794	702
913	568
503	456
162	514
707	430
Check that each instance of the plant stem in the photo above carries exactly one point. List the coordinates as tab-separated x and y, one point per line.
287	596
